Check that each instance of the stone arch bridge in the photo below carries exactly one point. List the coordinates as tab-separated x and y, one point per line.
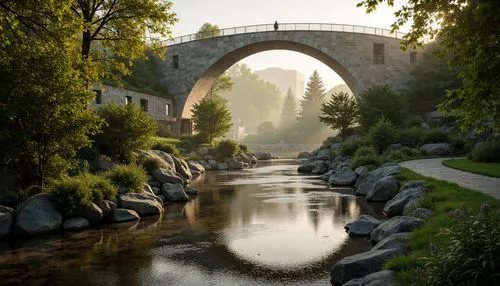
361	56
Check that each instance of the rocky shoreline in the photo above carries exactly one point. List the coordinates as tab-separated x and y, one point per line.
390	236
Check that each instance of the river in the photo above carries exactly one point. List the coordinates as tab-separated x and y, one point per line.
266	225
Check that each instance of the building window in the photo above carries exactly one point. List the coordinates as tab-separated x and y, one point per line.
167	109
98	96
413	58
144	104
128	99
378	54
175	60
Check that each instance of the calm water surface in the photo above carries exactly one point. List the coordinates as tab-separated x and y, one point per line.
266	225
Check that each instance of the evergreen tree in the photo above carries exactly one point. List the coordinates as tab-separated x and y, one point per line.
313	98
289	111
340	112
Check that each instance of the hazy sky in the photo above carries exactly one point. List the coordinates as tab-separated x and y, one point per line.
231	13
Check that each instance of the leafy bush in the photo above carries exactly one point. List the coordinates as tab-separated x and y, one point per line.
12	198
71	194
468	251
166	147
411	137
190	142
409	152
460	145
152	164
487	151
128	178
350	147
243	148
395	155
435	136
127	129
101	187
225	149
382	134
380	101
366	156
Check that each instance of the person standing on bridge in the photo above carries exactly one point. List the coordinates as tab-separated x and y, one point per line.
276	26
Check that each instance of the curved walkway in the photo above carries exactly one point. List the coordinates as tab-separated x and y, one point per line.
434	169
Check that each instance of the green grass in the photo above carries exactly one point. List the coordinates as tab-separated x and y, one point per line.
487	169
441	197
173	141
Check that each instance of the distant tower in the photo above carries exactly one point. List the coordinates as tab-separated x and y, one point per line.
284	79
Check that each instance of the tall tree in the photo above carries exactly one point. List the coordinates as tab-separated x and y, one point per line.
380	101
313	98
289	111
469	31
222	83
208	30
340	112
211	118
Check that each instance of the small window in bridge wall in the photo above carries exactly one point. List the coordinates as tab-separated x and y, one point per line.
413	58
128	99
378	54
167	109
144	104
175	61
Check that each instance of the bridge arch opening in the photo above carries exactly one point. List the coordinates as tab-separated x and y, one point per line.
206	80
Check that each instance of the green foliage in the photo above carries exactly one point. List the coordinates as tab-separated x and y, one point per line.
191	142
152	164
44	111
127	129
243	148
100	187
289	110
411	137
435	136
341	112
409	152
487	169
366	156
166	147
382	134
211	118
350	147
380	101
471	254
128	178
12	198
308	122
208	30
460	145
265	128
487	151
225	149
222	83
71	194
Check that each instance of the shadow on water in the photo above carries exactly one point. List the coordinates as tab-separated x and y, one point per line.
267	225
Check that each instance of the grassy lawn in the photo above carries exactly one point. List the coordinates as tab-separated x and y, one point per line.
487	169
442	197
172	141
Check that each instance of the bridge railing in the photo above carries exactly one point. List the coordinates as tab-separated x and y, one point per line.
286	27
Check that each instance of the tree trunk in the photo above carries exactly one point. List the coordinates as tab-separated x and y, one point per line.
86	42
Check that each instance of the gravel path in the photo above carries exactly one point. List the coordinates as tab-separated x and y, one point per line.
433	168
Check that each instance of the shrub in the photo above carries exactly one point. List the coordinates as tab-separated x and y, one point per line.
487	151
382	134
435	136
152	164
225	149
380	101
468	252
411	137
366	156
395	155
129	178
12	198
410	152
127	129
166	147
101	187
350	147
190	142
243	148
460	145
71	194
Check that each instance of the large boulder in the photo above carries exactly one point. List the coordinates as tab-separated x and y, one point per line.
103	163
394	225
381	278
396	205
122	215
213	163
193	165
222	166
343	177
202	151
320	167
395	241
144	204
190	191
324	154
263	155
174	193
76	223
182	168
360	265
361	170
363	226
107	208
166	176
304	155
306	167
37	215
6	220
165	157
437	149
383	190
253	159
205	165
92	213
236	165
366	182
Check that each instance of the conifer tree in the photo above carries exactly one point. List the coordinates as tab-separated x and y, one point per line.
289	111
313	98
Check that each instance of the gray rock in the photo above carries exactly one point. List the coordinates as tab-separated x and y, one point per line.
383	190
166	176
76	223
422	213
363	226
306	167
202	151
208	157
213	164
304	155
360	265
263	155
162	197
324	154
381	278
165	158
396	205
320	167
395	241
6	220
190	191
413	184
107	208
103	163
122	215
174	193
236	165
253	159
366	182
437	149
37	215
361	170
144	204
343	177
195	173
182	168
336	147
205	165
243	158
154	184
193	165
222	166
326	176
388	164
394	225
156	190
147	189
92	213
